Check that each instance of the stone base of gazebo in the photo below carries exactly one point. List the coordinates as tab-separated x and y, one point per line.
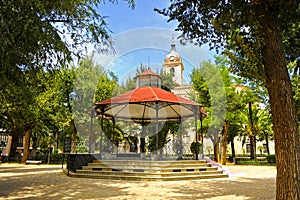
149	170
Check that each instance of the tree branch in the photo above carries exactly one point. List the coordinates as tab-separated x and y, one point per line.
58	20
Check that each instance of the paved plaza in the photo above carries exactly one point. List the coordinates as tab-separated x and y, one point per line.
49	182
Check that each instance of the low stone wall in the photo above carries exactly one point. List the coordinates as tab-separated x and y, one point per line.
76	161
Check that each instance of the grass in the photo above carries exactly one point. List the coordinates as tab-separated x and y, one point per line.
255	162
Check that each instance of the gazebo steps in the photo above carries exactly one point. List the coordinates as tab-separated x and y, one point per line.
147	174
152	162
94	166
142	177
148	164
149	170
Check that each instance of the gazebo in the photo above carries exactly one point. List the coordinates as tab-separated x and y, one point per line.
149	103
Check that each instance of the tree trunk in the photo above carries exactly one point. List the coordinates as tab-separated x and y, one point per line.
74	138
13	147
252	136
8	146
142	145
217	150
267	144
26	145
224	142
232	149
286	136
34	145
252	147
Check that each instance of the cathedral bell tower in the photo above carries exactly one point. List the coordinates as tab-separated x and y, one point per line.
173	65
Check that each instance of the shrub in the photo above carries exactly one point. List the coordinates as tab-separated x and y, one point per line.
81	148
271	159
195	146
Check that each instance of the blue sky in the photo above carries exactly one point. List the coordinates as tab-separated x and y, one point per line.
141	35
122	18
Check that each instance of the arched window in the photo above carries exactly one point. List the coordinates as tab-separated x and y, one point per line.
172	71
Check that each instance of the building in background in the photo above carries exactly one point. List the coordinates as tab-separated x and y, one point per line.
173	65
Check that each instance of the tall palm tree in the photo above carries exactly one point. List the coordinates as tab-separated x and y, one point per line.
255	124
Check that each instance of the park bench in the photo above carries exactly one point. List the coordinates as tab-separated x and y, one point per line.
33	162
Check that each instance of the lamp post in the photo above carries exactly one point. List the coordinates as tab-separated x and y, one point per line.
196	128
201	133
91	132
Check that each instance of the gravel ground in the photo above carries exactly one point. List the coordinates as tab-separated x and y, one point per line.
49	182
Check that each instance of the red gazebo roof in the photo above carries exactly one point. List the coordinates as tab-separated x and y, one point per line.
148	94
140	104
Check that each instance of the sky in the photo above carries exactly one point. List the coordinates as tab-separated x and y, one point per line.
142	36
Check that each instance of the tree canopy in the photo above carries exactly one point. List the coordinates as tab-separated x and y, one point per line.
50	32
37	37
235	28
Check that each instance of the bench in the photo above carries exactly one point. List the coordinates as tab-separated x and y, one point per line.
33	162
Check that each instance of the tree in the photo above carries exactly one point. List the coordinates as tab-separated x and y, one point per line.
255	115
21	109
164	128
52	118
131	82
265	131
255	123
50	32
294	68
91	84
167	81
106	88
42	35
52	102
215	90
251	33
235	129
18	112
233	104
200	78
248	114
31	107
113	135
64	86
